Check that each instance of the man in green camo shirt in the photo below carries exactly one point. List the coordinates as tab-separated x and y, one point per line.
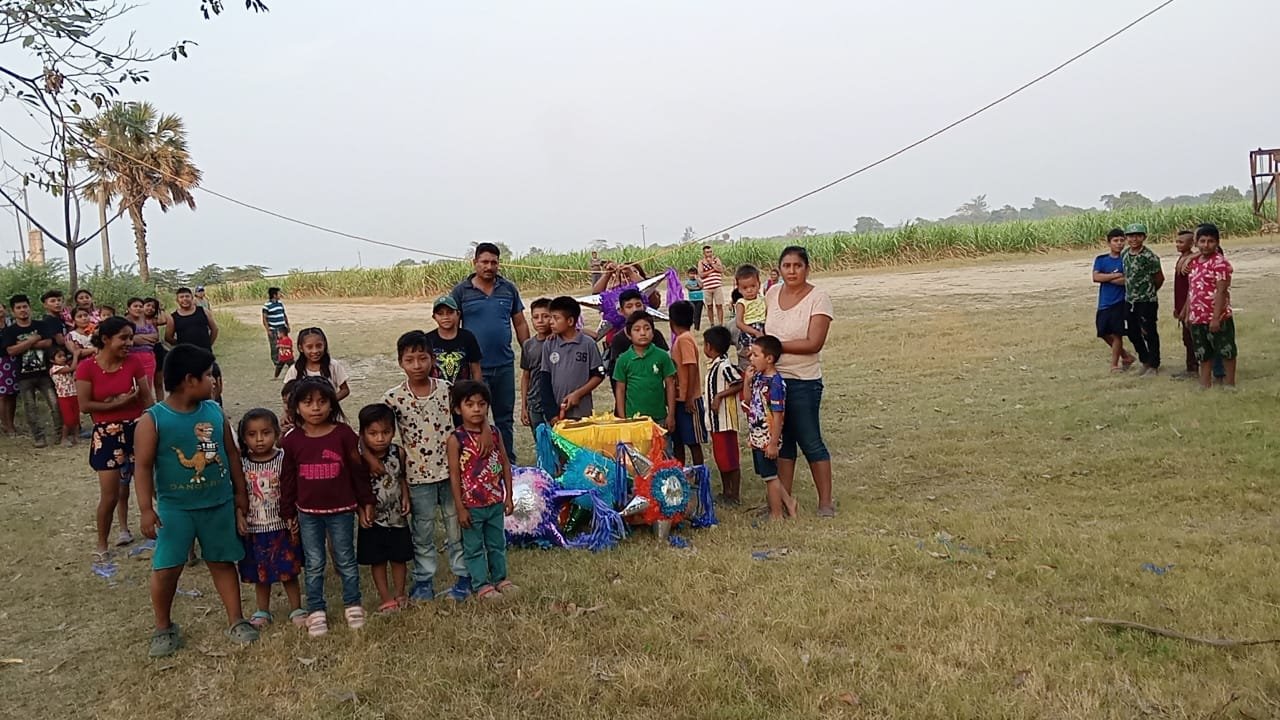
1143	278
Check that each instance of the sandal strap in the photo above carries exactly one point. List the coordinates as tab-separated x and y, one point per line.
262	615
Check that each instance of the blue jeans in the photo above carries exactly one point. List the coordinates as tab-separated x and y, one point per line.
341	532
802	425
424	500
502	388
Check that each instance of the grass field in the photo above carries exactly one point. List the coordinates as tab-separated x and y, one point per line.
995	484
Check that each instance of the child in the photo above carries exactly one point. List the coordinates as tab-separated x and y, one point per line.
1108	272
314	361
1208	308
691	431
532	413
387	540
748	311
724	385
64	384
323	487
272	554
105	311
80	339
481	482
1142	281
1185	242
421	406
630	302
190	487
217	383
645	377
456	350
284	350
766	409
571	361
286	392
693	286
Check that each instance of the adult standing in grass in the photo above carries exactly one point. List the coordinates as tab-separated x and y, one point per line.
800	315
276	322
491	309
190	324
30	343
1143	278
711	273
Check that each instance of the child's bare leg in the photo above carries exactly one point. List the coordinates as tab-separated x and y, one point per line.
786	473
108	496
1206	374
227	583
263	593
731	483
695	454
781	503
399	573
8	408
122	506
678	452
1117	350
293	591
164	584
379	573
1230	366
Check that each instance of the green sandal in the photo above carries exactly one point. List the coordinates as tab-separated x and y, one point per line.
242	632
261	619
166	642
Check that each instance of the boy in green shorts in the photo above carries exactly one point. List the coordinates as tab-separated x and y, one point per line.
190	486
645	376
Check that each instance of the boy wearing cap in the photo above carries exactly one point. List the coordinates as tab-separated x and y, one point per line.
456	350
1108	272
1143	278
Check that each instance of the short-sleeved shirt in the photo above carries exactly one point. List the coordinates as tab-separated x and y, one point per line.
106	385
722	374
1109	294
620	342
753	312
424	422
454	355
480	474
768	396
192	329
33	363
64	383
1206	273
646	378
1140	275
570	364
263	482
386	491
84	341
685	352
275	314
531	360
711	273
791	325
191	469
488	317
337	373
695	289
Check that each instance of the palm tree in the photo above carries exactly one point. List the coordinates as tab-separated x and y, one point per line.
137	155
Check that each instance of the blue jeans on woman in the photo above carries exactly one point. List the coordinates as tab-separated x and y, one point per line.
340	529
802	424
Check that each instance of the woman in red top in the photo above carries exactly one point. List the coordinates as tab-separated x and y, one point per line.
112	387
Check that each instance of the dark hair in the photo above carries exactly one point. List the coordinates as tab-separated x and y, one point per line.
182	290
79	310
272	292
719	338
53	354
377	413
1184	231
286	390
308	386
51	294
413	340
133	300
182	362
1208	230
566	306
109	328
796	250
735	296
629	294
151	301
540	303
487	247
1115	233
216	370
769	345
706	247
18	300
300	364
693	270
243	427
747	271
638	316
465	389
83	291
681	314
109	308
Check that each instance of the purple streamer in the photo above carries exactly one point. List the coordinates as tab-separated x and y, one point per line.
675	288
609	305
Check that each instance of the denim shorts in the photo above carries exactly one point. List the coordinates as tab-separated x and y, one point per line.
802	425
765	467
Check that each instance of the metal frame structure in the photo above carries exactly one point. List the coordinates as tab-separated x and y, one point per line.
1264	169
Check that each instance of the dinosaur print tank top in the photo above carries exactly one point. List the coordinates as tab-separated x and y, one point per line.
191	460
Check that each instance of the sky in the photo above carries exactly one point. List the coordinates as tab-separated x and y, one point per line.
551	124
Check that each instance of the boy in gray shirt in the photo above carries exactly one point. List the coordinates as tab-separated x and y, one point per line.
533	407
571	363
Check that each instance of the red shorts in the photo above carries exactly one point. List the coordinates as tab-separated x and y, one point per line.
70	409
724	446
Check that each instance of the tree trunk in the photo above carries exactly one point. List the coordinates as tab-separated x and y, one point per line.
72	272
106	241
140	240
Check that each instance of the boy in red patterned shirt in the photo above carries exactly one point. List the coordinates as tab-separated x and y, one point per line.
1208	307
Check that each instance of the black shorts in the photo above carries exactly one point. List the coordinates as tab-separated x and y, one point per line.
379	544
1110	320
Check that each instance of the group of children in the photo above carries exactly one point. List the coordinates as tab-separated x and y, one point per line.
1129	278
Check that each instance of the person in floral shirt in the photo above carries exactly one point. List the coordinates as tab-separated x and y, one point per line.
1208	307
1143	278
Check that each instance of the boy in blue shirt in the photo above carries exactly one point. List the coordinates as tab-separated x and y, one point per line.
1108	272
187	464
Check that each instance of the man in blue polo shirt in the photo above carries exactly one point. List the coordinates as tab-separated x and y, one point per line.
491	308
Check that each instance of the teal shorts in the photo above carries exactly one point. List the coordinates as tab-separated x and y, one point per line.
214	527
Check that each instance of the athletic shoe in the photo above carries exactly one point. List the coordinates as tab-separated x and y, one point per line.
423	592
461	589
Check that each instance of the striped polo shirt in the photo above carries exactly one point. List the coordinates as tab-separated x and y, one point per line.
274	310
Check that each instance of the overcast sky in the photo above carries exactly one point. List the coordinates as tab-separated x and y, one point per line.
556	122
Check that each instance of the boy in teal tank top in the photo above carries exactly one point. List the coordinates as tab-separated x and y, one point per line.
190	486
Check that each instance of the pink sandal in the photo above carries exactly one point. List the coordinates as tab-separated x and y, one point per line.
355	617
317	624
389	607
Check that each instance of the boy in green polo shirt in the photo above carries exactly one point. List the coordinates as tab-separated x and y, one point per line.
1143	278
645	376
